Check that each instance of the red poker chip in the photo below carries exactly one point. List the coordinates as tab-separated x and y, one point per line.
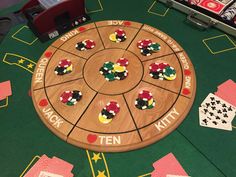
144	94
89	44
144	43
122	61
163	65
113	106
65	63
120	32
154	67
66	96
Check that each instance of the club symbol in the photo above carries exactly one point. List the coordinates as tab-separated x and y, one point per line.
224	122
214	122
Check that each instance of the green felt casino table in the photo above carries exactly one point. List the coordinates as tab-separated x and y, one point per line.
203	152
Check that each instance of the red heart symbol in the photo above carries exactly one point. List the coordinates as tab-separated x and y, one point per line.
43	102
186	91
91	138
81	29
187	72
127	23
48	54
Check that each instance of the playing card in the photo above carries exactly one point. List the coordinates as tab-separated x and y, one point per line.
228	86
47	174
212	121
59	167
212	6
226	97
66	165
176	176
40	165
219	107
5	90
168	165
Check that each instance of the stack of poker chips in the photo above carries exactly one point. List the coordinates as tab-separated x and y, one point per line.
147	47
145	100
162	71
64	67
70	98
109	112
85	44
115	71
229	13
118	36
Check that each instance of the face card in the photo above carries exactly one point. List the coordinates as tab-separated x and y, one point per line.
212	6
168	165
5	90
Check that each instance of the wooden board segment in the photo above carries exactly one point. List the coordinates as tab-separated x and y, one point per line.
131	128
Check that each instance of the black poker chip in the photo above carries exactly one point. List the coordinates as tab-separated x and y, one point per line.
80	46
107	114
77	95
141	104
120	75
104	71
60	70
156	75
120	38
146	51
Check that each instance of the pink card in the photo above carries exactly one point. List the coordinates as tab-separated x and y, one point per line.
40	165
5	90
231	100
228	86
168	165
59	167
66	165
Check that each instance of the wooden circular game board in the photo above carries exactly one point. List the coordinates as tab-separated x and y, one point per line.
131	128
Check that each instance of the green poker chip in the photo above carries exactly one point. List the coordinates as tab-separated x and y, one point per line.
110	77
155	47
108	65
169	71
